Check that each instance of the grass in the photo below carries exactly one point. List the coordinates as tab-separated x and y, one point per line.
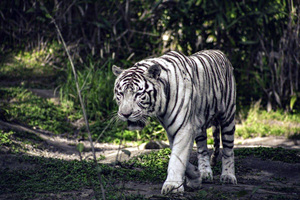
257	122
96	85
21	106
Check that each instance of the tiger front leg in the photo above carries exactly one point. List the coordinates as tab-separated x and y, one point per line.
228	170
181	148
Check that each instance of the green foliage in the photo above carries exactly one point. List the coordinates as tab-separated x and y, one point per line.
47	175
6	140
16	142
80	147
25	107
292	102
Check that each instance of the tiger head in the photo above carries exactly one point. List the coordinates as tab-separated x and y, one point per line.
136	93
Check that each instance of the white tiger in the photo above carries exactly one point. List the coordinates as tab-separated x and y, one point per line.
187	95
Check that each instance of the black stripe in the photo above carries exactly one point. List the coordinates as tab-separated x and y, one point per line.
227	146
228	122
183	122
231	132
177	112
205	152
200	138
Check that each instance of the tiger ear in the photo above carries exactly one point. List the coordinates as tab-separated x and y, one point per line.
116	70
154	71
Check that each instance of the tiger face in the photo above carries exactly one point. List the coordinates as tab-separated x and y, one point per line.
136	94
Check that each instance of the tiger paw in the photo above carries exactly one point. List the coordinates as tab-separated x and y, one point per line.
207	175
193	183
172	187
228	178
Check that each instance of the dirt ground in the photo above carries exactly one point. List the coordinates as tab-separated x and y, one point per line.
257	178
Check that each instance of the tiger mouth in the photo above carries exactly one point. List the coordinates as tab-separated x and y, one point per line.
138	125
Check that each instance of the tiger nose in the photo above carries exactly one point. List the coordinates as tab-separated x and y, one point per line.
126	115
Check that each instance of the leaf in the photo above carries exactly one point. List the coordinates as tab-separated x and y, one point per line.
80	147
128	153
292	101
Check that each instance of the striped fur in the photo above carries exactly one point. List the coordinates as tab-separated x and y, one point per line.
187	95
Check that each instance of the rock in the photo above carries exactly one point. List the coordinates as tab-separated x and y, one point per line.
154	145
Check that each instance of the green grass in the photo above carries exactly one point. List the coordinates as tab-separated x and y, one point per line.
20	105
154	164
257	122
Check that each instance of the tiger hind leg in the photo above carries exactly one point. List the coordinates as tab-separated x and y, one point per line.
228	171
204	167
